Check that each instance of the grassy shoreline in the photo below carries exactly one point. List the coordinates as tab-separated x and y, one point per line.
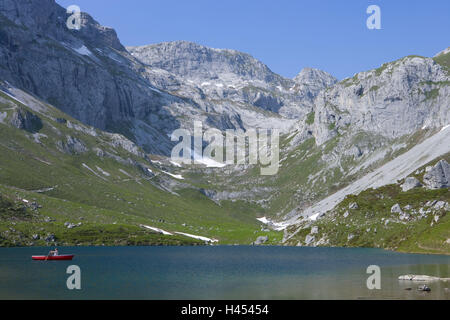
200	243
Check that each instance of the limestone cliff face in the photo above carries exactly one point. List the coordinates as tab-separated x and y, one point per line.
230	75
87	73
90	75
46	18
397	99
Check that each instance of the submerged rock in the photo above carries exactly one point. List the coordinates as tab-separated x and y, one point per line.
424	288
72	145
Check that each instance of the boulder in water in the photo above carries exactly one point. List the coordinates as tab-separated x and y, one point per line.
424	288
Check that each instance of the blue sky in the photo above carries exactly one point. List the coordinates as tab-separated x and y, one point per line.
287	35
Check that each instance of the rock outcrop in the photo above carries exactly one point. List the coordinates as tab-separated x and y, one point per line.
396	209
396	99
261	240
438	176
410	183
25	120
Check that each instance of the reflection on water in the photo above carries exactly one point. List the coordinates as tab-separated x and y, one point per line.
235	272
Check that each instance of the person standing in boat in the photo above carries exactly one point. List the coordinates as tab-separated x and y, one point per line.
54	252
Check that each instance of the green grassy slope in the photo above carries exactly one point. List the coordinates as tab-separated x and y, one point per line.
444	60
372	224
111	194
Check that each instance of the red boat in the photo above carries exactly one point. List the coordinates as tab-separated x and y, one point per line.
58	257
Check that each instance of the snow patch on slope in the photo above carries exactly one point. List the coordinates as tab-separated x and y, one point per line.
95	173
166	233
210	163
278	226
176	176
83	51
197	237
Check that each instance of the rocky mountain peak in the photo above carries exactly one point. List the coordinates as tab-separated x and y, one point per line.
47	18
201	63
312	76
310	82
31	14
93	32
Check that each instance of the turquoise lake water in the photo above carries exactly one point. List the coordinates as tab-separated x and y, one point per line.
218	272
